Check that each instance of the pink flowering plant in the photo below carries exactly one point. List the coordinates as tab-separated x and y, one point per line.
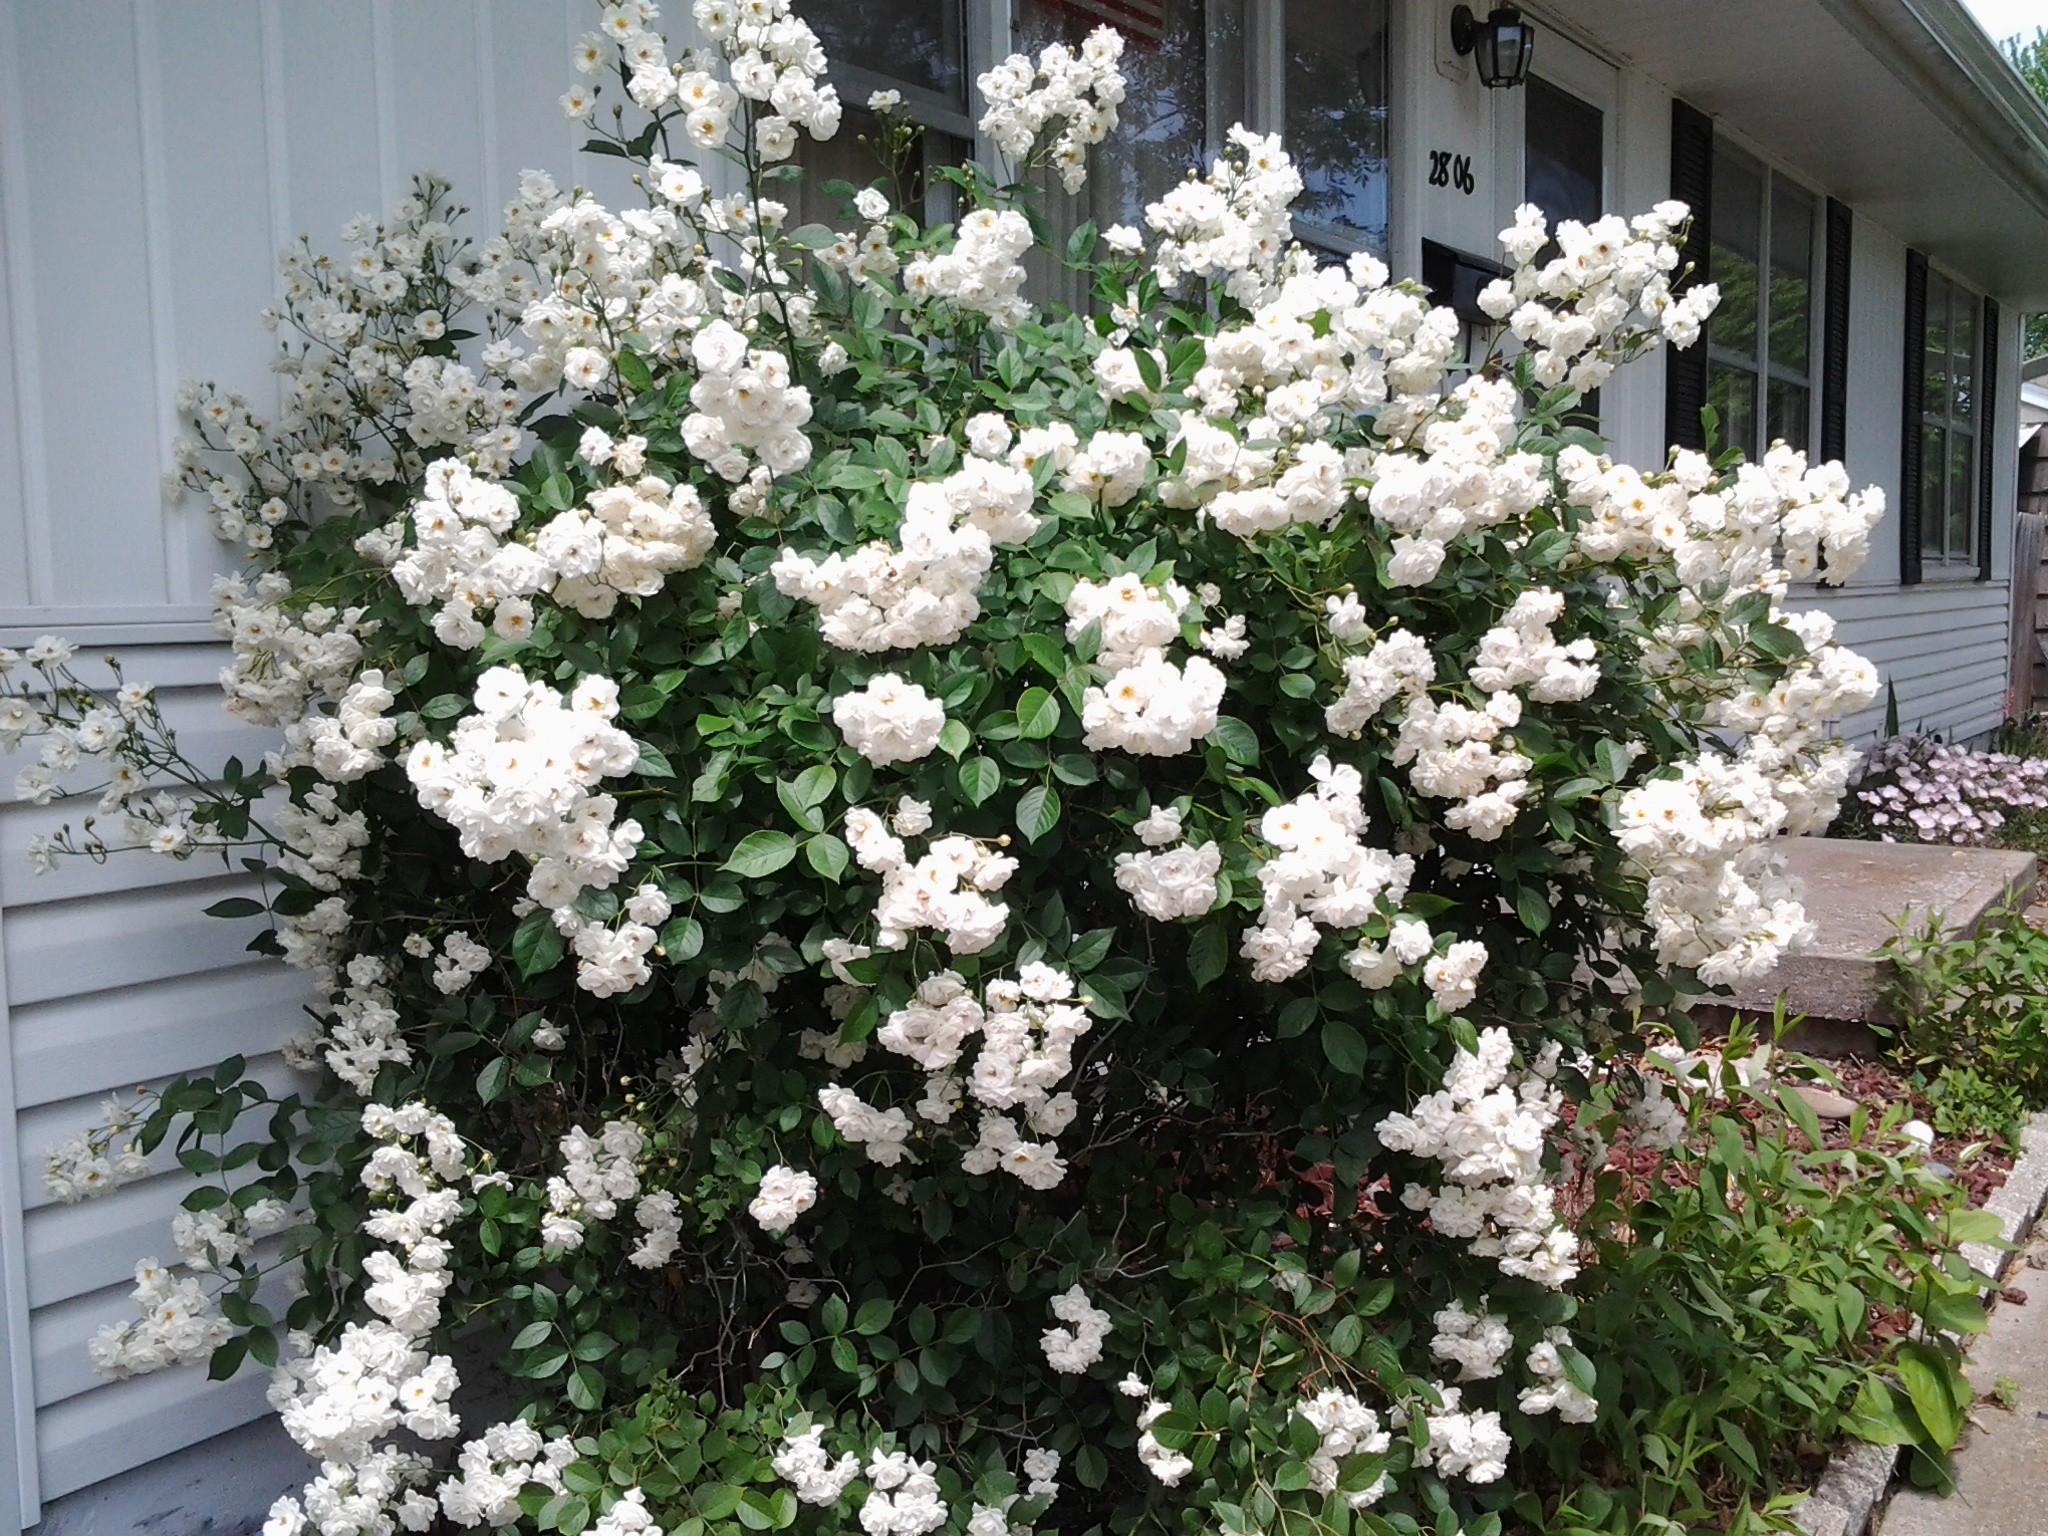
1920	789
931	914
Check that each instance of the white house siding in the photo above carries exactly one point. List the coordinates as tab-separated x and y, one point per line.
154	156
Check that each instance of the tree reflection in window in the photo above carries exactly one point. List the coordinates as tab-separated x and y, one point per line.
919	45
1336	118
1760	340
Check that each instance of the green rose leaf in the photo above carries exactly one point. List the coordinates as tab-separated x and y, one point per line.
1038	812
761	853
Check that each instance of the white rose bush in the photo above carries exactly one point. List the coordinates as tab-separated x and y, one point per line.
936	915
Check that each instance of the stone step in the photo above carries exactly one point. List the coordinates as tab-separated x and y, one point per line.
1858	895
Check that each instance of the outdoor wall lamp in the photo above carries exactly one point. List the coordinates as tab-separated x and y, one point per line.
1502	43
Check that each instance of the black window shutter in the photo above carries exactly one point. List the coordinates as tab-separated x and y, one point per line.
1987	435
1909	425
1692	183
1834	342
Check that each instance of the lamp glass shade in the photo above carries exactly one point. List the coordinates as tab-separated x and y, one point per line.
1503	48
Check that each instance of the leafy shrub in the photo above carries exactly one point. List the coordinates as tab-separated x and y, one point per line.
1748	1304
1973	1015
937	911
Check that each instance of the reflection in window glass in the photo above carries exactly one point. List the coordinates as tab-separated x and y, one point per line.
1162	130
1736	254
1760	340
1336	121
1791	298
843	157
1731	391
919	44
1563	158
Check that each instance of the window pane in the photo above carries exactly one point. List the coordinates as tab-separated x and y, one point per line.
1788	413
918	43
1736	252
1962	501
1962	352
1336	125
1934	400
1933	476
843	157
1162	130
1562	162
1937	313
1731	392
1791	296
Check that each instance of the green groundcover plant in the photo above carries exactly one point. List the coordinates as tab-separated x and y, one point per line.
931	914
1972	1011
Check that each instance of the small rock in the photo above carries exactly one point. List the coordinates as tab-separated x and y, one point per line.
1825	1102
2013	1294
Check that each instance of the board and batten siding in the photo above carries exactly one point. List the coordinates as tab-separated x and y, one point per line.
140	220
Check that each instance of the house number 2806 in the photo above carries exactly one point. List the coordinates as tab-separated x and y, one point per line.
1449	170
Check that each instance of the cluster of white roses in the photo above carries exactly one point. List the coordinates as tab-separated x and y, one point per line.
97	1159
1347	1428
1081	91
1468	476
339	1400
178	1323
889	721
626	541
922	591
744	405
1028	1028
518	776
1177	881
358	377
496	1467
1717	898
1072	1348
946	889
982	272
785	1193
361	1030
1232	224
119	730
1321	875
1149	706
1553	1391
772	58
1486	1126
1607	289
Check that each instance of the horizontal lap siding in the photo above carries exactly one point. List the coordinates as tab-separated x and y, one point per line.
139	227
1942	646
115	976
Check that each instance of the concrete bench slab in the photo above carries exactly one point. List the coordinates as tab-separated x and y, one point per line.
1857	894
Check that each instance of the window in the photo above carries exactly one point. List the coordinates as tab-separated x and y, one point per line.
1563	168
1191	68
1336	121
917	48
1948	427
1760	341
1184	87
1190	65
